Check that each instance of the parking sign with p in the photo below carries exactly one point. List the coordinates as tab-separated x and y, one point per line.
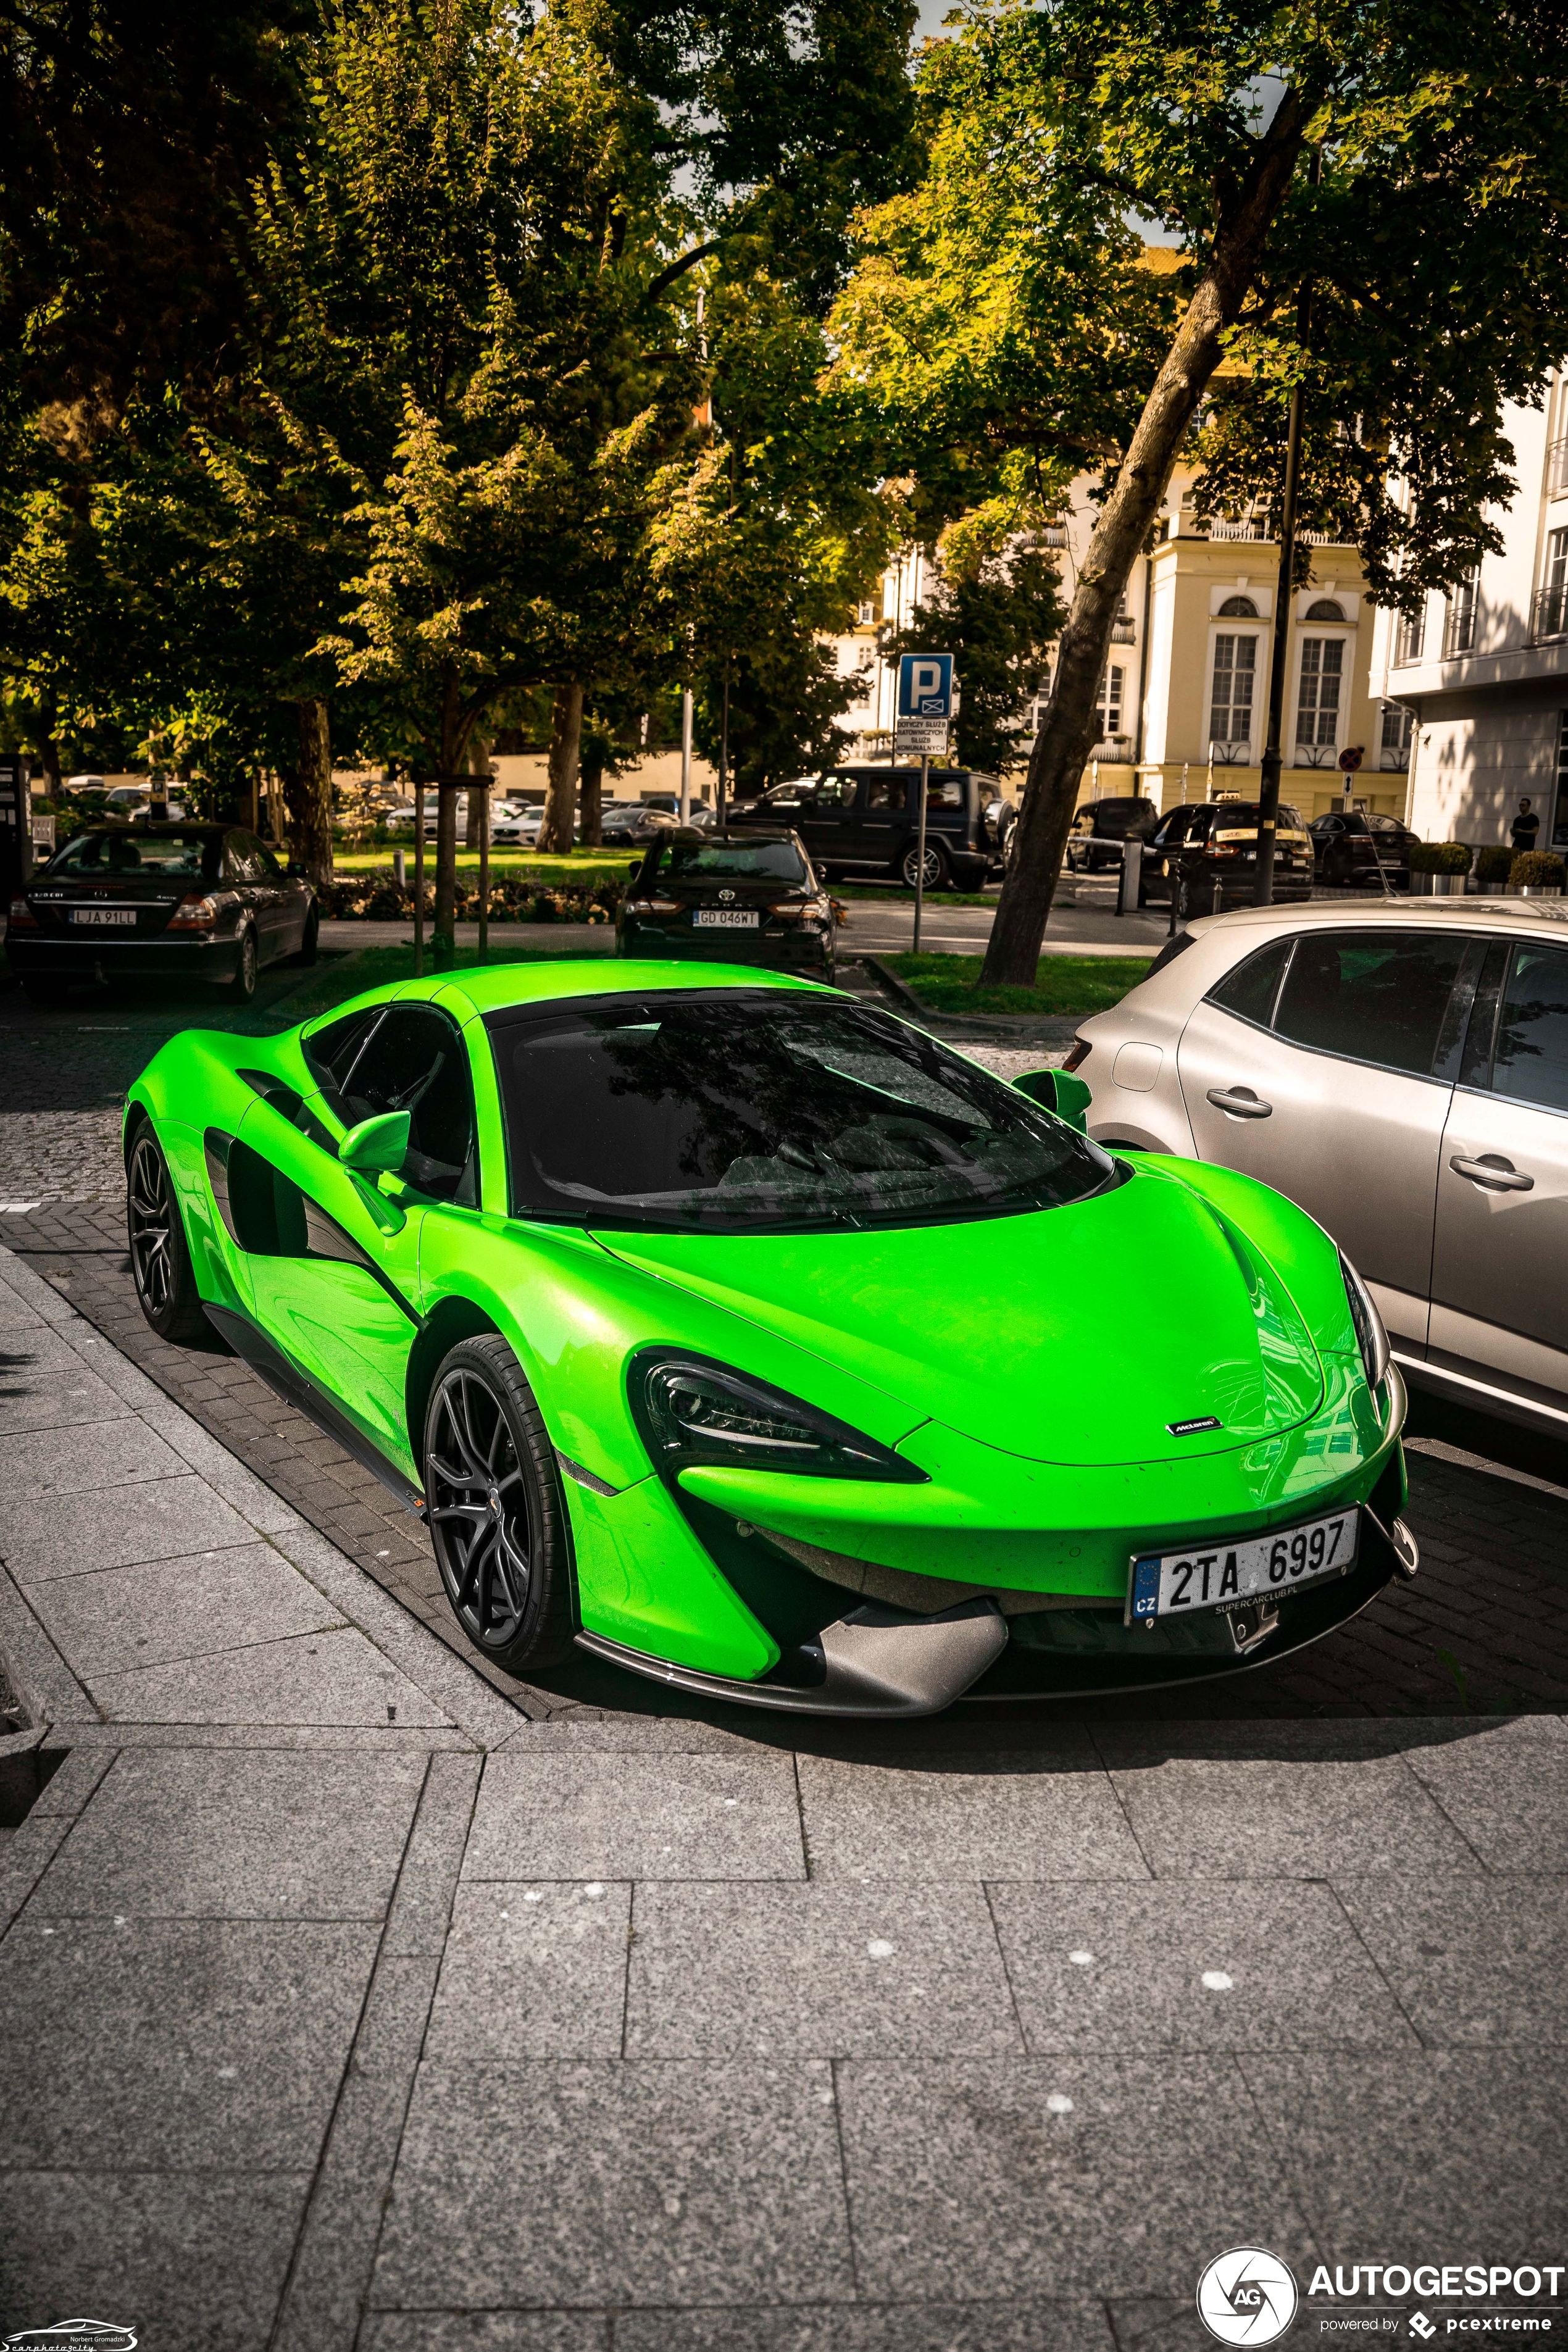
925	685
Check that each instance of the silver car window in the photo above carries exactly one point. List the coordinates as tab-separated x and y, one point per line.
1371	996
1531	1060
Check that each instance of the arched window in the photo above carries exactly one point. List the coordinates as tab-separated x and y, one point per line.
1325	609
1238	608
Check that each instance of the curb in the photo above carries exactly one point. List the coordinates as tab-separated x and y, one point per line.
899	990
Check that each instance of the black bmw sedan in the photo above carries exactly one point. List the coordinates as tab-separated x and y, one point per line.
202	902
751	897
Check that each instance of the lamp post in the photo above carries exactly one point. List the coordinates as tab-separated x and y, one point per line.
1273	756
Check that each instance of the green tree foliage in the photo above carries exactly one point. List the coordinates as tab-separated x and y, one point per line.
995	605
1004	306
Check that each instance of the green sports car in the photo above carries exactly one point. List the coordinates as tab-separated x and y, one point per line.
733	1330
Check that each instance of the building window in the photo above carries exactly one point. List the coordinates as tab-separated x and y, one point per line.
1325	609
1550	617
1394	749
1108	710
865	658
867	615
1238	608
1558	836
1317	696
1234	675
1409	638
1459	622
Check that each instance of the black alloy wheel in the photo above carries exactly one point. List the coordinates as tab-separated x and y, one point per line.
936	865
495	1508
242	987
160	1261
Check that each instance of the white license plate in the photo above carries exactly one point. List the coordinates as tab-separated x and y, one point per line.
123	918
724	919
1224	1569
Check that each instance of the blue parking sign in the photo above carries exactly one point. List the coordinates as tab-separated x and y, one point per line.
925	685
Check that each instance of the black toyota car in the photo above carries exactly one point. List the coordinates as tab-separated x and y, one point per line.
750	897
1211	846
202	902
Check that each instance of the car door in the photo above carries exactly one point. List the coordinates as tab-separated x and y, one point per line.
287	900
1323	1064
880	823
339	1293
1499	1261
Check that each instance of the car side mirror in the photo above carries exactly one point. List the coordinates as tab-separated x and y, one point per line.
296	872
376	1146
1059	1091
634	866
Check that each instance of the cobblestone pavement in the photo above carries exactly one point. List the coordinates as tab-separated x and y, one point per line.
1485	1625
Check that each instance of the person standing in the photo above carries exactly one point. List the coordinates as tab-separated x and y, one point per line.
1525	826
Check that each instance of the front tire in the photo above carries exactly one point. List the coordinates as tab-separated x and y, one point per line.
496	1512
306	953
160	1261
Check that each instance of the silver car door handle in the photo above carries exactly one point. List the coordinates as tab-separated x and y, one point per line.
1498	1175
1241	1102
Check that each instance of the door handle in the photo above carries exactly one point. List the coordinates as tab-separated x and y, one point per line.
1499	1175
1240	1102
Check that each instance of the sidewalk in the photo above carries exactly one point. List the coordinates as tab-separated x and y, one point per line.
347	2007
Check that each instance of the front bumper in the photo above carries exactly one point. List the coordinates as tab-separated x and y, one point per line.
98	956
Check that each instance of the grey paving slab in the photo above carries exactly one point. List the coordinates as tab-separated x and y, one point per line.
422	1907
120	1619
332	1677
233	1835
822	1970
1184	1966
1050	1815
1479	1962
732	1815
1505	1789
1445	2148
193	2264
656	2184
46	1347
69	1535
489	2331
1276	1801
178	2045
66	1398
41	1462
534	1971
336	2253
996	2178
227	1476
1064	2327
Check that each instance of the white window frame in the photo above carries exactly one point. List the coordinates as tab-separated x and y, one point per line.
1259	632
1323	633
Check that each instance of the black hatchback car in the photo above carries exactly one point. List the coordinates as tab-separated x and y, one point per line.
867	819
750	897
1353	847
202	902
1206	842
1101	830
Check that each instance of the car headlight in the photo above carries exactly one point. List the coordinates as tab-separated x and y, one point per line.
1371	1337
691	1410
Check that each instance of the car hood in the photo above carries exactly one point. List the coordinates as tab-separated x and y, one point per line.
1074	1336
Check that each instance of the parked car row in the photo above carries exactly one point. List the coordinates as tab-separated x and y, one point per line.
1203	843
866	819
1401	1071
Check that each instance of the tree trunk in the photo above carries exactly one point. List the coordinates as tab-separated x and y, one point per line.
591	805
308	793
478	765
444	928
565	742
1056	765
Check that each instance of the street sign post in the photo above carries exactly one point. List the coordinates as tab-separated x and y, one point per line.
1350	761
919	727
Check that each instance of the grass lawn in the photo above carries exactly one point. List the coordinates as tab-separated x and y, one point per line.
1064	984
337	978
580	868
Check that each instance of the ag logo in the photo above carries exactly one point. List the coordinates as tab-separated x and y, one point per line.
1246	2296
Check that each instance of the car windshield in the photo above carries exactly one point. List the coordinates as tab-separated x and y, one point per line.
1122	816
747	1110
729	861
107	856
